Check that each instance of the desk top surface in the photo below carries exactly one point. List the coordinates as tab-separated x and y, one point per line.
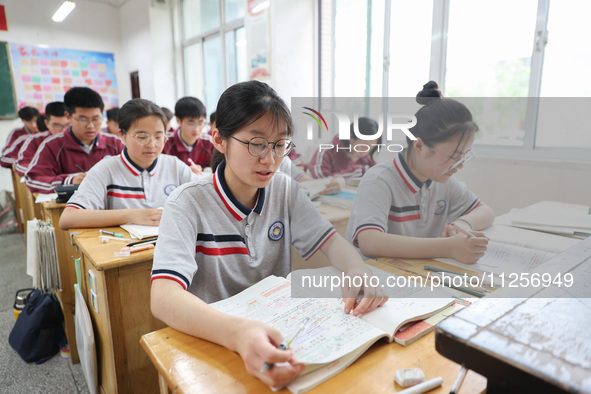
190	364
102	255
538	341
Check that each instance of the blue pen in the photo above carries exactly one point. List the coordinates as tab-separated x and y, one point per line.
111	233
285	345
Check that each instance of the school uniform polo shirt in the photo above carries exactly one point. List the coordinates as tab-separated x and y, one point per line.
215	247
119	183
28	150
200	152
14	142
55	161
330	162
391	199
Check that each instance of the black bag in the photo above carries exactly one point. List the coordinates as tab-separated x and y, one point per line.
37	331
64	192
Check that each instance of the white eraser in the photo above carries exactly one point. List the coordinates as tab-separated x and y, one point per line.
409	377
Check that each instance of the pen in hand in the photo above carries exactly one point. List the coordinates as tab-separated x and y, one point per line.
285	345
80	168
461	230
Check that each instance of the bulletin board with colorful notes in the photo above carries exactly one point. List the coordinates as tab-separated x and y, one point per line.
44	74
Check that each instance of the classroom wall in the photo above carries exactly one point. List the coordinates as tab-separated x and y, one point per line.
512	183
91	26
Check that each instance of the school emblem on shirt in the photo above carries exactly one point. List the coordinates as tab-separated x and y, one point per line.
441	204
276	231
169	189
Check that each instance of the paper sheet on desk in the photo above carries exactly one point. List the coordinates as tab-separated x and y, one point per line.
140	232
45	197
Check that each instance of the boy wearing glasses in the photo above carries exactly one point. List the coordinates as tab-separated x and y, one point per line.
16	137
55	122
64	158
189	143
130	187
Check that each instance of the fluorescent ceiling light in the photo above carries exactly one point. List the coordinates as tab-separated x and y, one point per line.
261	6
63	11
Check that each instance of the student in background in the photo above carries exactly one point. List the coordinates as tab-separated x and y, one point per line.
112	122
41	126
28	116
188	143
55	122
227	231
64	158
403	208
130	187
211	123
169	116
348	158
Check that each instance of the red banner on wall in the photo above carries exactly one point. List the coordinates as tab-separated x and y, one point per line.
3	24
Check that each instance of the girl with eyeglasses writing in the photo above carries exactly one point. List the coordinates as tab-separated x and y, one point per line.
235	227
132	186
413	207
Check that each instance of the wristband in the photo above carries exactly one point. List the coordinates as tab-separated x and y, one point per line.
465	221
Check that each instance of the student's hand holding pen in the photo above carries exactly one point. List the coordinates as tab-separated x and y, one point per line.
195	168
466	249
365	298
335	186
257	344
456	228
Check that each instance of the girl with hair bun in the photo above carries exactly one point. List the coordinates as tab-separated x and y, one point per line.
413	207
231	229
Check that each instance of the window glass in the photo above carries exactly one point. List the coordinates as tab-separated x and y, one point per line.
193	56
213	72
199	16
235	9
236	55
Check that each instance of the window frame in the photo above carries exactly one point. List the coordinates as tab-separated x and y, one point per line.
437	72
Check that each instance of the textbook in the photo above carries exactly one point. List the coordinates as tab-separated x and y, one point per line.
413	331
140	232
516	250
314	188
344	199
333	340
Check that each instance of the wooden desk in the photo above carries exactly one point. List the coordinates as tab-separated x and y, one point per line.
529	340
339	218
52	212
187	364
123	316
19	198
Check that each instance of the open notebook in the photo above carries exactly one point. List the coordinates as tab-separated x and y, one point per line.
140	232
334	340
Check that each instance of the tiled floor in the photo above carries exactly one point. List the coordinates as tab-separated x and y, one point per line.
57	375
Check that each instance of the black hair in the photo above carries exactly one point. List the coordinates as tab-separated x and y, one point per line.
430	90
28	113
41	126
55	108
168	113
136	109
112	114
82	97
367	126
440	118
189	107
212	117
243	104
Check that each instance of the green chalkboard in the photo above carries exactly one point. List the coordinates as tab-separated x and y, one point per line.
7	99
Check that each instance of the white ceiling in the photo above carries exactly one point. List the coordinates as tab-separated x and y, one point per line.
114	3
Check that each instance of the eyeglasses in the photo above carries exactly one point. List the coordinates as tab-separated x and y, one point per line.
192	123
257	146
465	157
96	121
145	138
57	126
